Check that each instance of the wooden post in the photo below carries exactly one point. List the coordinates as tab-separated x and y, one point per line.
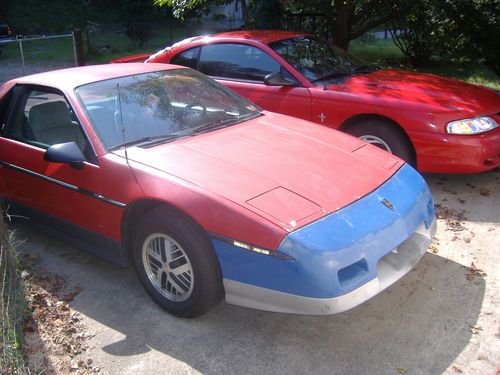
78	42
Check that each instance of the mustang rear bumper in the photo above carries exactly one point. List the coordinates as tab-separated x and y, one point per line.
340	260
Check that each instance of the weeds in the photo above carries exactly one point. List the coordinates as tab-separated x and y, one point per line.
12	308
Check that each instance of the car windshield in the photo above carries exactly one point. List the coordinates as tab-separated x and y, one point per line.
151	108
319	61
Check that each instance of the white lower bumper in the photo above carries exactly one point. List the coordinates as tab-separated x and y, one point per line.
391	268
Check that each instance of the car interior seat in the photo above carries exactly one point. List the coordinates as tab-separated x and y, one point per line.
51	123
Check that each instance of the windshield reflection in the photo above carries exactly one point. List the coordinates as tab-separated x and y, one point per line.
317	60
151	108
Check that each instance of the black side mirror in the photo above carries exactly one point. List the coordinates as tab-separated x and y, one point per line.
277	79
67	153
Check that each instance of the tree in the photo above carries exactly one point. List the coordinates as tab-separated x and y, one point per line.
452	30
181	7
414	34
350	18
39	16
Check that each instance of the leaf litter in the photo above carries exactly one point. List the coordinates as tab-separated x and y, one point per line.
55	335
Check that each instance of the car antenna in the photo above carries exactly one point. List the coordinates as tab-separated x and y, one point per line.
122	127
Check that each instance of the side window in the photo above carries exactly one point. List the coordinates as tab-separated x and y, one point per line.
237	61
43	119
187	58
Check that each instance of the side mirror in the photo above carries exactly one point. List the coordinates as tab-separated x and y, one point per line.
277	79
67	153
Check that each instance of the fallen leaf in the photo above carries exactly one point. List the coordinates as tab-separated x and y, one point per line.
433	249
475	329
484	192
474	271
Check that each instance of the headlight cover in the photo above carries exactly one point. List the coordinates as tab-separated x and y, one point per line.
471	126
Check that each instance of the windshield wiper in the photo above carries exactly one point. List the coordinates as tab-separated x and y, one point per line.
332	76
365	69
222	123
146	141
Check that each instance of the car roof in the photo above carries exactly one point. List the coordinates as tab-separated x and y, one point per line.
261	36
68	79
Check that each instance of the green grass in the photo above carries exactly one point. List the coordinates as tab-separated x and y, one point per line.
122	46
384	52
376	50
45	50
477	74
13	308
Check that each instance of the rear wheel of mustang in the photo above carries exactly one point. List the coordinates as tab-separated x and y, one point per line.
176	264
385	136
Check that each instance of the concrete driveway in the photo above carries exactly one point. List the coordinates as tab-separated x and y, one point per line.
441	318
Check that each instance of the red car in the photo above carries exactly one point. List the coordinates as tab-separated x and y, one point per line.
207	195
435	123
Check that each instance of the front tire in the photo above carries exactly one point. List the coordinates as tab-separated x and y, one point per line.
176	264
385	136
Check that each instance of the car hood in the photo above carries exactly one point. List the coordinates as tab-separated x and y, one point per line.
287	170
423	90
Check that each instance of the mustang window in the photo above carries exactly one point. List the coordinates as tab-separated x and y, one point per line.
237	61
187	58
151	108
317	60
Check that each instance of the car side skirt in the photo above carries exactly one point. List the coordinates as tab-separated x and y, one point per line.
96	244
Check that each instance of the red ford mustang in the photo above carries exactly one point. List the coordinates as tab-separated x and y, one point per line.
206	194
435	123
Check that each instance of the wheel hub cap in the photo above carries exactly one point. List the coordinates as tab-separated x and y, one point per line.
376	141
168	267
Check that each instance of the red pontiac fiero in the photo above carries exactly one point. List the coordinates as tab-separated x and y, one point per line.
434	123
207	195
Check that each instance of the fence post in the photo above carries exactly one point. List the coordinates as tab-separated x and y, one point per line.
22	54
78	47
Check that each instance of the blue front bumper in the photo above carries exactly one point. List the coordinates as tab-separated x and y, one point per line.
341	260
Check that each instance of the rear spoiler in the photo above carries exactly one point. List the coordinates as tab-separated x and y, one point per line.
144	57
131	59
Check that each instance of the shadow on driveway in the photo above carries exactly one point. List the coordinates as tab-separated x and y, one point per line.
421	324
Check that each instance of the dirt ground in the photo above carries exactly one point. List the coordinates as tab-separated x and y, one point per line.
443	317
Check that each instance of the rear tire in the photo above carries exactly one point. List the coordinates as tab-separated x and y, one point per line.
176	264
385	136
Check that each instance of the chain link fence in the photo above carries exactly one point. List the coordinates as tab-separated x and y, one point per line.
24	56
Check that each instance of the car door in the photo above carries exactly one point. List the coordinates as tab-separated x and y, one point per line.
74	199
242	68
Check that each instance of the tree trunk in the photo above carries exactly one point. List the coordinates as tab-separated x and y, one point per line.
244	11
341	36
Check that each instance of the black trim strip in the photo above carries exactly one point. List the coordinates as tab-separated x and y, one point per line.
63	184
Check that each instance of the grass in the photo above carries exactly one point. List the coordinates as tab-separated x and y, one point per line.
119	45
375	50
477	74
38	50
12	307
385	53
